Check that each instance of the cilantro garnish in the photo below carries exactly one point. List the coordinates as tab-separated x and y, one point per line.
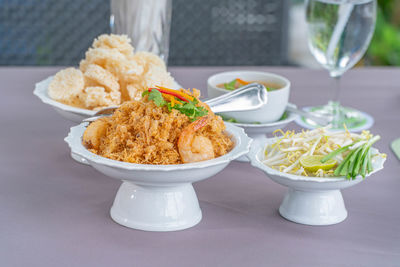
156	96
231	85
227	119
188	108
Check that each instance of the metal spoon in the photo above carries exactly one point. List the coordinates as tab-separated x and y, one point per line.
249	97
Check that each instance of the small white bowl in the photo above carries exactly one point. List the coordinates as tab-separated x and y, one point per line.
310	200
277	99
157	197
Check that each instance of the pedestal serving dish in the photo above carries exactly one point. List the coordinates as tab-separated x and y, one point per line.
68	112
157	197
311	200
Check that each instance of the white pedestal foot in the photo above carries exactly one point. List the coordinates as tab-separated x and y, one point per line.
313	207
156	208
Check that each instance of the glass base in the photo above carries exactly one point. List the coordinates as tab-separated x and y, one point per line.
354	120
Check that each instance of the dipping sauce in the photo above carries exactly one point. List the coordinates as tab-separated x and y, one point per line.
237	83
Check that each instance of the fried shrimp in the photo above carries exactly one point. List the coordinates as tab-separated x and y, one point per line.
94	132
192	147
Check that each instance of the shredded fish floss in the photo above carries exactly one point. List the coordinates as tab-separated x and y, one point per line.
141	132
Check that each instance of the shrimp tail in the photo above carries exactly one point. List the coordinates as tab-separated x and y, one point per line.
200	123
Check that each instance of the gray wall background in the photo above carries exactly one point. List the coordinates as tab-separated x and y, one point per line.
203	32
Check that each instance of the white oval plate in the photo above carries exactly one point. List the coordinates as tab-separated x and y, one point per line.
253	129
69	112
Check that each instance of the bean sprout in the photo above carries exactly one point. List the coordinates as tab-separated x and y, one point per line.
285	153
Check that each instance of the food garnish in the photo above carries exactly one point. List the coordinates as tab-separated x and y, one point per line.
241	81
358	159
313	163
237	83
322	153
179	100
230	85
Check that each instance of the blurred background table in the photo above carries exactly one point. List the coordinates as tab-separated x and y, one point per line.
55	212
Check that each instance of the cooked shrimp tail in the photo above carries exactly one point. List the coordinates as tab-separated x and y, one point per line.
200	123
192	147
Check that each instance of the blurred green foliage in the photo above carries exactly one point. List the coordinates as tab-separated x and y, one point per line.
385	45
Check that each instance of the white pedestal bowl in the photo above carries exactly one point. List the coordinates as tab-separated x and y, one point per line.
70	113
157	197
310	200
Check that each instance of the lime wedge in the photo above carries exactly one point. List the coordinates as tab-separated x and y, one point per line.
313	163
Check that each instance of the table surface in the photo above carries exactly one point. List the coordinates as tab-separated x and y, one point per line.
55	212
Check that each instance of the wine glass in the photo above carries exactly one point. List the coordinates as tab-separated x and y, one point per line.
146	22
339	32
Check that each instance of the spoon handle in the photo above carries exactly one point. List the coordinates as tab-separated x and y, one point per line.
248	97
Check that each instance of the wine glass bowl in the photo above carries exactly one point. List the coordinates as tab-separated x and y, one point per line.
339	32
339	36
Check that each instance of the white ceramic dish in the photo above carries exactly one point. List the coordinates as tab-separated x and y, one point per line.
258	131
367	123
277	99
157	197
310	200
68	112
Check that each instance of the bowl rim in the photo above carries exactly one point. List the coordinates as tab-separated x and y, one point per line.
287	82
242	147
41	89
41	92
254	153
291	117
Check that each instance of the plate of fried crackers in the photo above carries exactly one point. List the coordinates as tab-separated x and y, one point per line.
110	74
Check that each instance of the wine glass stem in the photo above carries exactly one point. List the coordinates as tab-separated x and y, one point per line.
335	105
